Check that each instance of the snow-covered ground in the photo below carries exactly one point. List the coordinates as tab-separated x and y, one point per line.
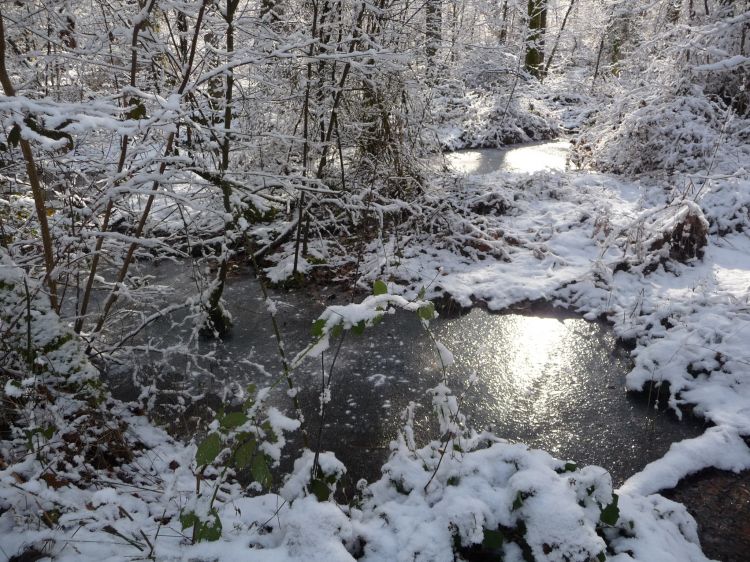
501	496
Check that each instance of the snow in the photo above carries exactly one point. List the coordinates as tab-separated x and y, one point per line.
726	64
719	447
283	270
500	485
13	390
446	357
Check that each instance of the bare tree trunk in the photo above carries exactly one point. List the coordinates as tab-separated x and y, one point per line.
537	27
306	145
218	318
433	29
504	28
36	186
598	61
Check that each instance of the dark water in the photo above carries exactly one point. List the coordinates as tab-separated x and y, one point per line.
551	380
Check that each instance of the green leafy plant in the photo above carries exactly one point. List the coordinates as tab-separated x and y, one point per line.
237	441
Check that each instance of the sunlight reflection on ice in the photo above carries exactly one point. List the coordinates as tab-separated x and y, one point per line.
534	158
465	161
553	382
525	158
534	341
528	365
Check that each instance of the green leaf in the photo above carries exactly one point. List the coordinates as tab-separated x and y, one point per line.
493	540
337	330
232	420
601	557
320	489
48	432
261	473
611	513
208	450
243	455
570	467
188	519
270	433
317	327
518	502
359	328
138	111
427	312
252	391
379	288
211	530
422	292
202	531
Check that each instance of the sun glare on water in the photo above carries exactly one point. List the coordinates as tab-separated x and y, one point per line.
533	345
465	161
537	158
519	159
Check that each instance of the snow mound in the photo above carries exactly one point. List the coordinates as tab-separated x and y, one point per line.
641	135
494	499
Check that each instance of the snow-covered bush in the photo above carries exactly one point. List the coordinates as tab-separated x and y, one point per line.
35	342
722	193
653	132
479	119
717	52
491	102
56	424
41	358
491	499
673	94
505	500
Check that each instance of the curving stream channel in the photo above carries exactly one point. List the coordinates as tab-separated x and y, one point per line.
545	377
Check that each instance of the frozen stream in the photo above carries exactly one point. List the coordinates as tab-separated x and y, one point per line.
549	379
527	158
